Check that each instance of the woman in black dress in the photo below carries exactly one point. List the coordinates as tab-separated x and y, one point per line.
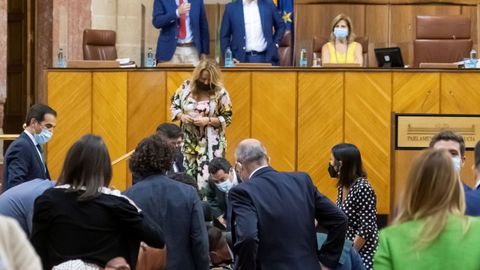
356	198
81	218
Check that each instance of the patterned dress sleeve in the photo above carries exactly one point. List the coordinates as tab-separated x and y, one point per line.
367	211
176	102
224	109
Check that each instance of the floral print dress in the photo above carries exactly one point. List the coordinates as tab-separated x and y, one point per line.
202	144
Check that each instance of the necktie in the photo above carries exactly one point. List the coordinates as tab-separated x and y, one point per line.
41	153
182	33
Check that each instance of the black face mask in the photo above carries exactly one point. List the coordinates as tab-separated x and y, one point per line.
204	87
331	171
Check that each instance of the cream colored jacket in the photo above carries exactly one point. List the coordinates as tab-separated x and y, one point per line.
16	252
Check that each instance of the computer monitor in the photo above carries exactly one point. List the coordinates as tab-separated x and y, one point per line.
389	57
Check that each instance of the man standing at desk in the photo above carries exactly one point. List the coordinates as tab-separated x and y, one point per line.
184	30
247	29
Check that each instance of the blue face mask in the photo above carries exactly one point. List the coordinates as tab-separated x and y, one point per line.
44	136
225	186
340	33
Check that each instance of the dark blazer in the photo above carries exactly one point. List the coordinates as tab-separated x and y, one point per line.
273	223
177	208
472	198
22	163
95	230
165	18
232	31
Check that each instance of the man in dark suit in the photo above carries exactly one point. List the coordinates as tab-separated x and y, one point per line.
472	196
184	30
274	213
24	159
222	179
174	206
174	136
455	145
247	29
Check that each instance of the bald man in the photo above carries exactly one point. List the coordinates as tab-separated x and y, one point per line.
274	213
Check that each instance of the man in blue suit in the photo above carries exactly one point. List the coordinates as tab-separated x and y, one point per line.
184	30
274	213
174	206
24	159
473	195
247	30
455	145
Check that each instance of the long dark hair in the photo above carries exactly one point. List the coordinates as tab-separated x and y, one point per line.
87	166
351	167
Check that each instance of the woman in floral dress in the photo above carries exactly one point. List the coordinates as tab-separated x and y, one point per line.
204	109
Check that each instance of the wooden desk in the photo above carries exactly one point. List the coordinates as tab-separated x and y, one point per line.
298	113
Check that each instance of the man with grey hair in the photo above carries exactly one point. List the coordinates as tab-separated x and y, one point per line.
274	213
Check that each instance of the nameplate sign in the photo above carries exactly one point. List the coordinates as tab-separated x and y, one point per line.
415	131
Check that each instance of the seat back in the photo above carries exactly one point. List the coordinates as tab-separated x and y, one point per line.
441	39
99	45
318	43
285	49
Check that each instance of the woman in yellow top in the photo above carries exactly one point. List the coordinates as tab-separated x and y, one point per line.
342	49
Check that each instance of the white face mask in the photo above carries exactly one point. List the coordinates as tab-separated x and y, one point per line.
44	136
457	164
225	186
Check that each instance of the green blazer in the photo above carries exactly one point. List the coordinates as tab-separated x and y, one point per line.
451	250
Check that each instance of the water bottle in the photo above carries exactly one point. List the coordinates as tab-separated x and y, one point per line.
303	58
228	58
150	60
60	59
473	58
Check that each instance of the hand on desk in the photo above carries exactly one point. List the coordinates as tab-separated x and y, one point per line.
235	61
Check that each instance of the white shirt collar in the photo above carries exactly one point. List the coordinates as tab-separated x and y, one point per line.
261	167
31	137
477	184
247	2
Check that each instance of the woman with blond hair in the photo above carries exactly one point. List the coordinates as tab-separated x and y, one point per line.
342	48
431	230
204	109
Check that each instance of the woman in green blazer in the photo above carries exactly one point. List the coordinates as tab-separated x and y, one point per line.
431	231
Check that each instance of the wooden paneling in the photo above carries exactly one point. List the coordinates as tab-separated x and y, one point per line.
385	23
274	100
174	81
460	93
416	92
367	125
238	85
376	29
145	109
320	125
110	118
69	93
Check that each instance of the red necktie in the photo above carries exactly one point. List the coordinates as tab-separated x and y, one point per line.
182	33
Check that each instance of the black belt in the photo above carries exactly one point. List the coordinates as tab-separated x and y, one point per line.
253	53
